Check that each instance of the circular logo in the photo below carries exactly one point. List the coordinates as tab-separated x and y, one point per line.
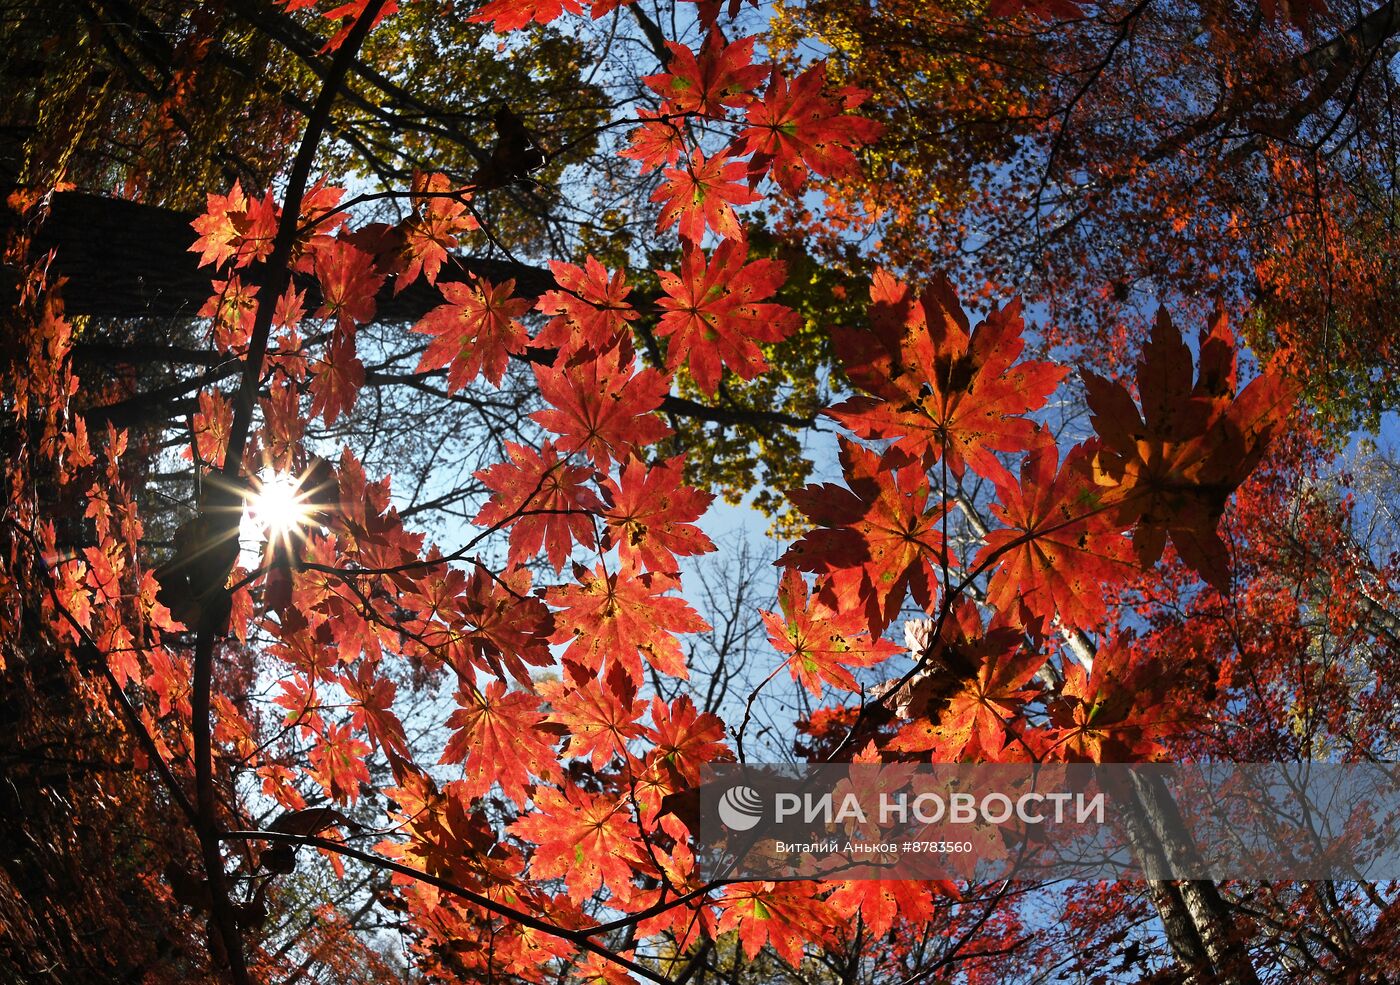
740	808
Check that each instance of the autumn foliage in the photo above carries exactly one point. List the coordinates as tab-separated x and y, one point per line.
478	729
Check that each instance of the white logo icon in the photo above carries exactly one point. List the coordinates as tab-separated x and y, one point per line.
740	808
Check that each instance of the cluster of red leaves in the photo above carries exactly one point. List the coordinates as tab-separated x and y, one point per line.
584	764
940	397
937	394
563	787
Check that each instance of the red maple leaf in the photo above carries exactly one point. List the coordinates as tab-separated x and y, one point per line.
475	332
723	75
876	540
685	738
439	220
714	313
486	621
601	714
212	423
786	915
588	839
796	128
651	514
1060	549
707	11
511	15
609	617
878	902
599	407
1171	467
507	627
217	232
590	310
499	739
703	193
543	500
1113	714
658	142
822	643
936	387
970	723
232	307
257	229
373	709
349	282
338	763
336	378
345	14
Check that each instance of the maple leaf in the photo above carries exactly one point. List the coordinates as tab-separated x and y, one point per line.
278	784
231	729
1113	714
590	310
1171	467
257	229
658	142
288	313
543	500
337	377
970	723
651	513
505	16
212	423
877	539
786	915
796	129
320	207
508	626
217	232
723	75
232	307
877	902
123	658
346	14
707	11
608	617
475	332
713	313
169	680
486	621
373	698
439	220
338	763
935	387
588	839
686	739
283	425
1061	549
600	407
600	714
702	193
156	615
821	642
498	735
